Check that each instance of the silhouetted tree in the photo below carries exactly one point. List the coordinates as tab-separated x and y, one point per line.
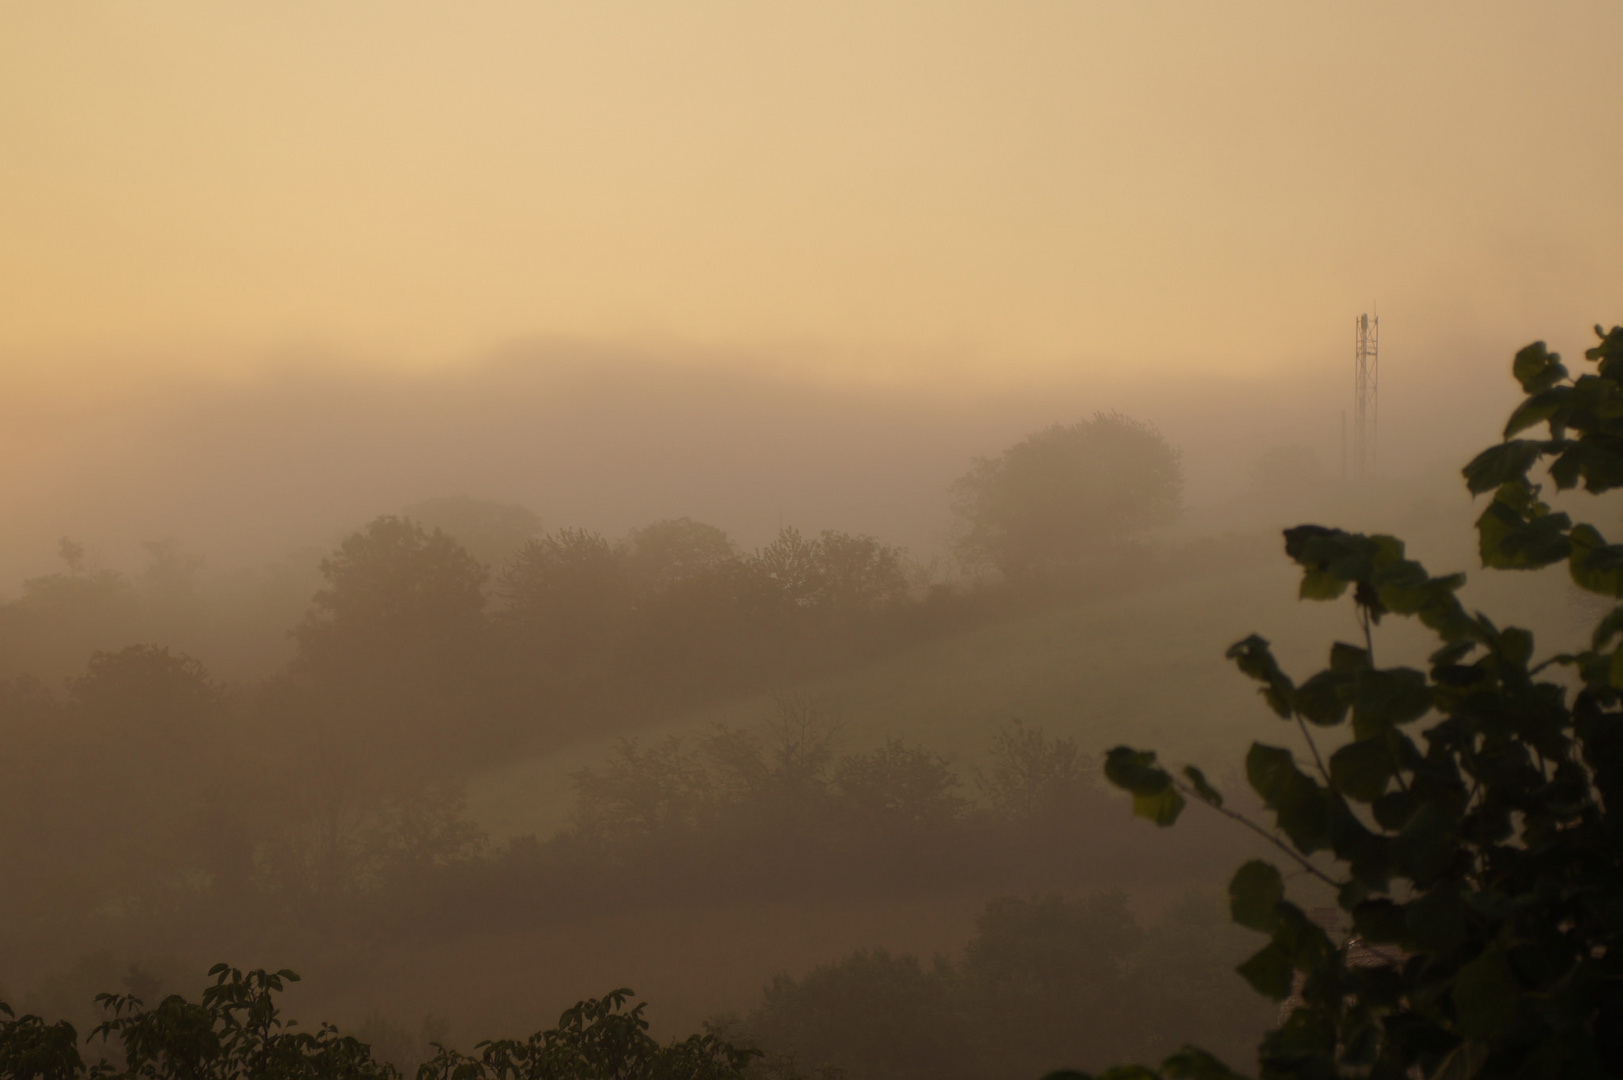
667	552
859	575
399	601
1068	493
900	789
788	572
565	596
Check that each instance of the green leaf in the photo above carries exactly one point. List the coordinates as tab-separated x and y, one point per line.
1387	698
1361	770
1598	465
1380	922
1320	585
1192	1063
1154	796
1162	808
1501	464
1324	698
1595	565
1269	972
1608	355
1609	626
1537	368
1302	939
1330	558
1485	996
1347	659
1254	894
1515	646
1507	542
1427	842
1437	920
1297	801
1554	404
1254	657
1451	654
1614	670
1197	780
1136	771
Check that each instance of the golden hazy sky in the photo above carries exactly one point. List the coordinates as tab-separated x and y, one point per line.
1018	187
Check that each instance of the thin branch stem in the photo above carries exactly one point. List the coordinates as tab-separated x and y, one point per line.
1313	746
1300	859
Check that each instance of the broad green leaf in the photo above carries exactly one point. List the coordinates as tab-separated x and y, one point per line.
1254	657
1303	940
1595	565
1553	405
1387	698
1537	368
1346	659
1324	698
1515	646
1332	559
1361	770
1269	972
1485	996
1599	466
1451	654
1254	892
1608	355
1297	801
1501	464
1437	920
1609	626
1154	796
1507	542
1320	585
1136	771
1427	842
1163	807
1380	922
1192	1063
1394	809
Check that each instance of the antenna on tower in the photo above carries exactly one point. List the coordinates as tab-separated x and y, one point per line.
1366	383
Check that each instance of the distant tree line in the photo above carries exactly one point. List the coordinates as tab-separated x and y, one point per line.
1046	981
149	796
143	798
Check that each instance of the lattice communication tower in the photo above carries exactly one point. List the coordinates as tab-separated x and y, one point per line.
1366	383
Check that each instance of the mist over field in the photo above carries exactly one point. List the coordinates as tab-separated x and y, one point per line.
468	693
287	456
499	506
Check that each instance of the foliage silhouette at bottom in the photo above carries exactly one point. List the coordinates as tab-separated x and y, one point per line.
234	1030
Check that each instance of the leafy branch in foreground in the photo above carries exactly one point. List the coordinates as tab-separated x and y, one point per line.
235	1031
1484	851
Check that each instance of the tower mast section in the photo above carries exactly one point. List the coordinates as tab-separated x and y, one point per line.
1366	386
